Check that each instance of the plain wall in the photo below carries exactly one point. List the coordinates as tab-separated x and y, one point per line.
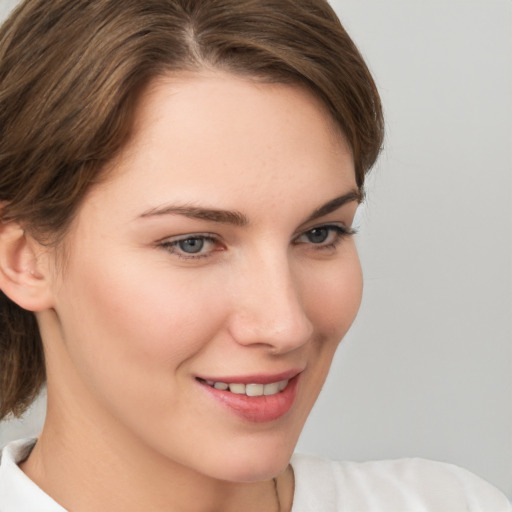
426	369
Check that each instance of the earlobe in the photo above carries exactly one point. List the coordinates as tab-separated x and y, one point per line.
23	277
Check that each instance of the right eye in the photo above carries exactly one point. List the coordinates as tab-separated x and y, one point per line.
191	246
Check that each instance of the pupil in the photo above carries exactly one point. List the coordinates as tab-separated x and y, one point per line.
191	245
318	235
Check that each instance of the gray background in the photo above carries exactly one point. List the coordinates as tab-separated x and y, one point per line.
426	369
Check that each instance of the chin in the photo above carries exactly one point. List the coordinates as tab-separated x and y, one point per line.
254	470
253	463
256	456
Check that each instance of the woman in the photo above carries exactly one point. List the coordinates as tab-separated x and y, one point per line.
178	184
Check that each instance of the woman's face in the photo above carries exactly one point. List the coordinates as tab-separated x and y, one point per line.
217	254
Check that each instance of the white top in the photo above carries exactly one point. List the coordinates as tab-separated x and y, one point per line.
406	485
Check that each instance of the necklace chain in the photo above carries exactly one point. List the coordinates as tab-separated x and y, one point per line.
276	491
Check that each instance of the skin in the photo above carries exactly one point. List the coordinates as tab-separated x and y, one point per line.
133	319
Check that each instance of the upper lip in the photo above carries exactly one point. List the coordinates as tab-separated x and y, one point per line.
256	378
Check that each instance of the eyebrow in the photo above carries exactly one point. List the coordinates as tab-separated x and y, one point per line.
194	212
334	204
237	218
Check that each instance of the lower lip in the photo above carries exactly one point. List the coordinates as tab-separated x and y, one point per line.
257	409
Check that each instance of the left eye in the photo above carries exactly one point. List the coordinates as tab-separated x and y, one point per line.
324	236
318	235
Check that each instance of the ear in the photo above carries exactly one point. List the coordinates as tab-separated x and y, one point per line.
24	275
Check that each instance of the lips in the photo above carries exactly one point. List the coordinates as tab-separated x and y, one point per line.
257	398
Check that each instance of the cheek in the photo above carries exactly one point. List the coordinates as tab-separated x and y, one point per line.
130	333
333	295
160	313
135	319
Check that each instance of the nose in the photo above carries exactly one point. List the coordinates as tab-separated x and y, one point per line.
267	307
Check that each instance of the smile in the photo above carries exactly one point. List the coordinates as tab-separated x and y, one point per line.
272	388
261	398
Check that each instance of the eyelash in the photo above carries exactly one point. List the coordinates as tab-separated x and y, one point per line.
340	233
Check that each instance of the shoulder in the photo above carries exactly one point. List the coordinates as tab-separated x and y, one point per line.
17	492
391	486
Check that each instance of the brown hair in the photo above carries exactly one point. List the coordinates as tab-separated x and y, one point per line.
71	72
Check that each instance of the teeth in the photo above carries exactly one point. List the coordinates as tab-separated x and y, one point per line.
250	389
238	389
254	389
271	389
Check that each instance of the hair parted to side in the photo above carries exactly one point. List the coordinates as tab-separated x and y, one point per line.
71	72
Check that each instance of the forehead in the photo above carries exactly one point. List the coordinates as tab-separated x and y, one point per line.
223	137
194	106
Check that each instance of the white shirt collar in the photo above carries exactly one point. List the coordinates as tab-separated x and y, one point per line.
17	492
